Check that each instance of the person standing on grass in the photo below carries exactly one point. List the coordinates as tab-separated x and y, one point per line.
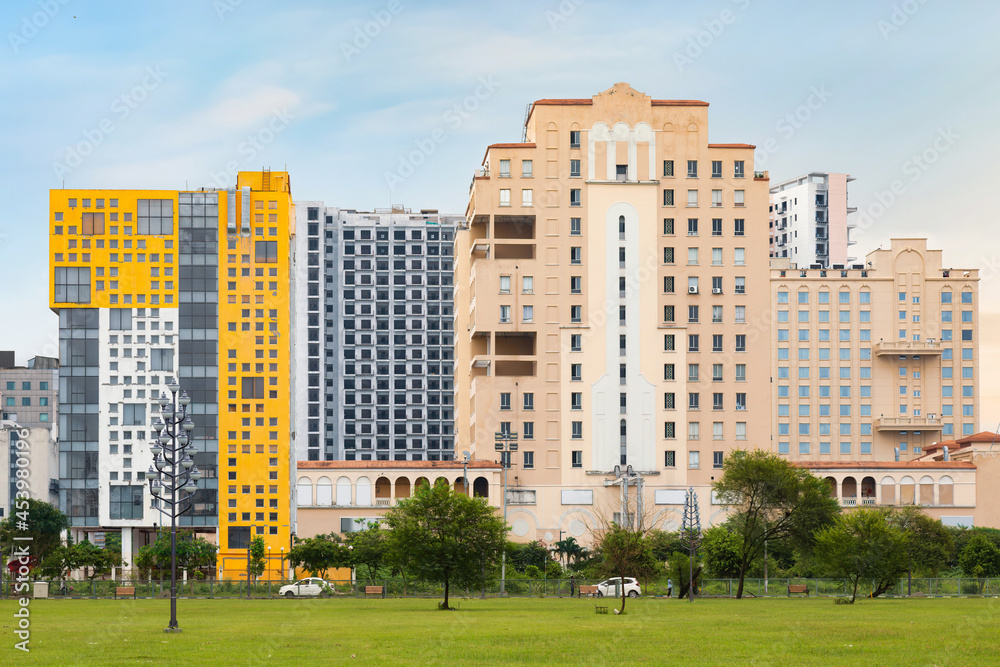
572	582
670	588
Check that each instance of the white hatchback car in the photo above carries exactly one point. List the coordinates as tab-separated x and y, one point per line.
310	587
608	586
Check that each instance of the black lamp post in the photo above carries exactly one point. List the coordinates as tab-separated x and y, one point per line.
173	474
691	534
505	442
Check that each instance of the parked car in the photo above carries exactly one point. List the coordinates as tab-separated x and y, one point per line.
309	587
607	587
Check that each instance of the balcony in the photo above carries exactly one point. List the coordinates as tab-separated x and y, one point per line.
930	346
908	424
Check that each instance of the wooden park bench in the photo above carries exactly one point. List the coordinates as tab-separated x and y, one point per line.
125	590
589	591
373	590
798	588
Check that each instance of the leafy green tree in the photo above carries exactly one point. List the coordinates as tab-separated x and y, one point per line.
258	557
442	536
193	553
44	525
863	544
368	548
521	556
929	546
722	552
980	558
679	572
626	553
570	550
772	500
318	554
94	560
664	543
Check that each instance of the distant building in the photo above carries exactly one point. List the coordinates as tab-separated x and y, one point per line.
809	221
38	446
30	394
874	362
374	342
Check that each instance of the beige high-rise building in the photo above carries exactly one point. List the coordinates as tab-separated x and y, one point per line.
612	283
875	359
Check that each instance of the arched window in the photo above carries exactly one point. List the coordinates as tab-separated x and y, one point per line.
403	487
304	492
343	491
383	489
946	491
888	490
324	491
621	226
849	488
868	488
906	490
364	498
481	488
926	490
831	485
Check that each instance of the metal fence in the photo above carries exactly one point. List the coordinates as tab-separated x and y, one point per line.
558	588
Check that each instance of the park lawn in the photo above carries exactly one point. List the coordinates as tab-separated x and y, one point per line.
514	631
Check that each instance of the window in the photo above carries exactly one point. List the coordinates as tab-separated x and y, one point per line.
692	226
574	169
577	430
739	257
717	258
526	169
741	343
576	284
692	168
155	217
576	372
716	198
739	198
669	459
668	197
692	199
265	252
527	313
505	198
505	401
126	502
505	284
529	458
576	400
504	169
504	314
668	167
574	197
694	458
716	168
93	224
692	256
526	197
574	226
738	169
574	138
577	457
717	459
575	342
575	314
668	255
575	255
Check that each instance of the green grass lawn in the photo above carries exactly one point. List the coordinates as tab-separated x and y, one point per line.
514	631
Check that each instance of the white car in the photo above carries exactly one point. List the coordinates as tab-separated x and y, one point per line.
608	586
310	587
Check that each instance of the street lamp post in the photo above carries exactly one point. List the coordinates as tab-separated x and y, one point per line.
173	474
691	534
506	443
465	472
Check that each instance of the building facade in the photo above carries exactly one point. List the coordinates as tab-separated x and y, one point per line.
809	221
611	284
374	361
37	446
29	394
155	284
876	363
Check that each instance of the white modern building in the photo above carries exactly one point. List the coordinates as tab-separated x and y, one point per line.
809	221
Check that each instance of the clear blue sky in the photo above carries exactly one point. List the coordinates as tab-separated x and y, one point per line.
174	94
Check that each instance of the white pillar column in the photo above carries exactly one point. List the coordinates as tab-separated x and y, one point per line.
127	552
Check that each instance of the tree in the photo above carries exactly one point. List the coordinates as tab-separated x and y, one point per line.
929	546
664	544
192	553
571	550
258	558
863	544
722	552
680	572
626	553
980	558
318	554
44	522
772	500
522	556
445	537
368	548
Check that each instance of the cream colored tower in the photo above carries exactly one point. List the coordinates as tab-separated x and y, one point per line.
875	358
611	289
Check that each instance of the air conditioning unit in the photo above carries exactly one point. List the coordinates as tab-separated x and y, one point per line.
692	290
716	290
